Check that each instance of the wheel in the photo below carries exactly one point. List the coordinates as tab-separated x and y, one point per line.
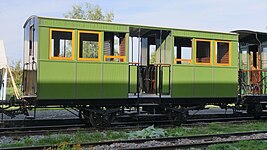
101	119
255	110
178	117
84	116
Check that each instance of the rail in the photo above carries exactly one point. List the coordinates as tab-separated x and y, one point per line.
180	142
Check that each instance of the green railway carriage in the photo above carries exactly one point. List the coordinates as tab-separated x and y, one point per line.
78	62
194	64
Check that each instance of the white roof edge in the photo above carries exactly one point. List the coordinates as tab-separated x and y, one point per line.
3	59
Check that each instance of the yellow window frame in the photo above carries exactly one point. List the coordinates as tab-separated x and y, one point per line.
180	60
230	53
114	57
72	43
203	40
99	46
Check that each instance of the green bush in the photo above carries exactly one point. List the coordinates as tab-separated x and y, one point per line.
149	132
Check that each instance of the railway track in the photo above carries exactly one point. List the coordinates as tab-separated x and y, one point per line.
57	124
38	122
201	141
73	128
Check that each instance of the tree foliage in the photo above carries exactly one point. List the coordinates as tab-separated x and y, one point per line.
89	12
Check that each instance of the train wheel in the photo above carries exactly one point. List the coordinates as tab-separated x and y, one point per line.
101	120
178	117
84	116
255	110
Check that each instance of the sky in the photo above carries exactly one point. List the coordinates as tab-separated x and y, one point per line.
211	15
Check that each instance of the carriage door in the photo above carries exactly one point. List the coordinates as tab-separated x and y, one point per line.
30	58
148	71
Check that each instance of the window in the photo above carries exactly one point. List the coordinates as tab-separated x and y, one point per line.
203	51
89	45
114	47
182	50
222	51
31	41
61	44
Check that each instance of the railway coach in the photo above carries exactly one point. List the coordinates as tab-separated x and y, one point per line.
112	71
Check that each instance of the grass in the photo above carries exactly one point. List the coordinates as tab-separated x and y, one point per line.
216	128
83	137
242	145
78	137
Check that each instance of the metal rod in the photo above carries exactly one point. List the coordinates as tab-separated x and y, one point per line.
160	68
132	50
138	67
2	96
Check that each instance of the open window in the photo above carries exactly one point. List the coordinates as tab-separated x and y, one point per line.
61	44
182	50
203	51
114	47
89	45
223	53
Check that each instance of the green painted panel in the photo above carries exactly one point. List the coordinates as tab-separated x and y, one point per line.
43	43
182	81
115	80
264	90
165	50
205	34
165	80
225	82
82	25
234	53
56	80
133	79
203	81
88	83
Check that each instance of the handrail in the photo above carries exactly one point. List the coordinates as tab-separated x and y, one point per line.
253	70
134	63
167	65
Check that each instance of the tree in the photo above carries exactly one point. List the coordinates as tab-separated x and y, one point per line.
89	12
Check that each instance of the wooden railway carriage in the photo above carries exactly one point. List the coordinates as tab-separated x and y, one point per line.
108	68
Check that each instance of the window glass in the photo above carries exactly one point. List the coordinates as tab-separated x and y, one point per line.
203	52
61	44
222	51
89	45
